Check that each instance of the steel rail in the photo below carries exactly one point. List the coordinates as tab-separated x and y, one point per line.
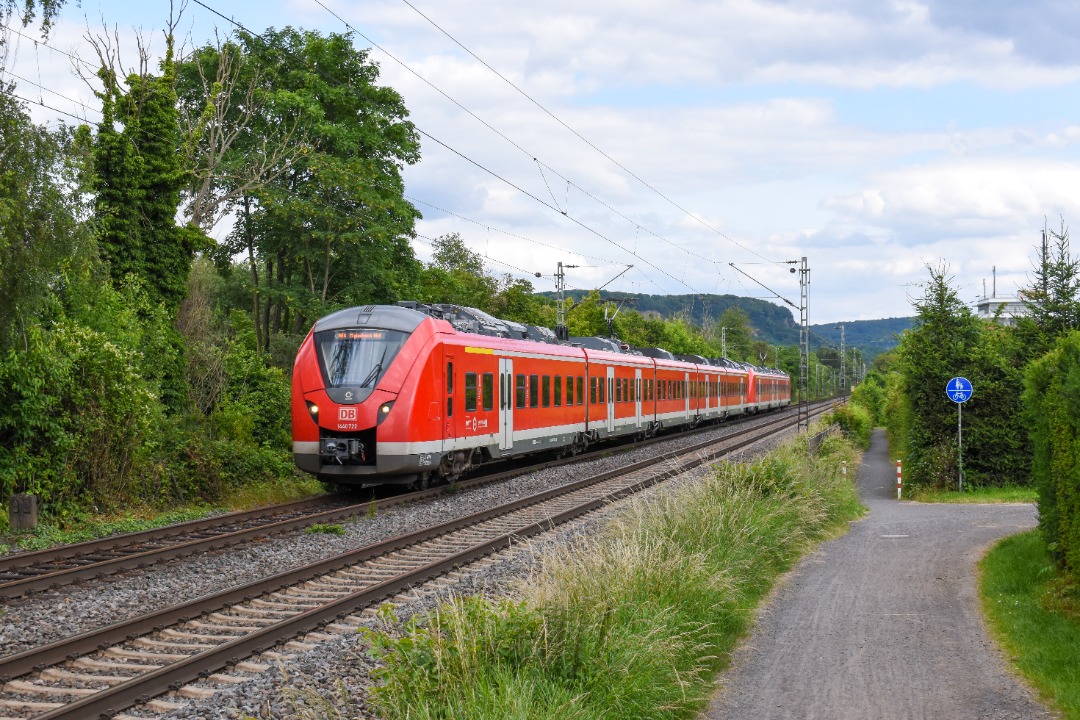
134	557
171	677
39	658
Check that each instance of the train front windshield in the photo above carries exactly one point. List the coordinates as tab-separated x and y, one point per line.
357	357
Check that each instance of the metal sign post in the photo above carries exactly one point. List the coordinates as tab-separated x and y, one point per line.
959	390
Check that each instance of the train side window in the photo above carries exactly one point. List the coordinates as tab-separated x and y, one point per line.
592	390
604	397
580	390
470	392
487	391
618	390
626	392
569	390
546	382
534	390
558	391
519	391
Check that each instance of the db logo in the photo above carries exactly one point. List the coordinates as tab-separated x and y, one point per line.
347	414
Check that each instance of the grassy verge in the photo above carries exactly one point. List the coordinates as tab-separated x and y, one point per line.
1035	616
1009	494
636	620
90	525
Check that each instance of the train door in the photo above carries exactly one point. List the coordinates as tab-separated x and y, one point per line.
637	398
611	399
449	420
506	404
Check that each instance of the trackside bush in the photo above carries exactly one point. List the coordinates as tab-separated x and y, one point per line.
1051	396
855	420
75	413
635	620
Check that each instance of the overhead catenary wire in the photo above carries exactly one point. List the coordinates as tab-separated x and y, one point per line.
581	137
572	219
456	152
486	124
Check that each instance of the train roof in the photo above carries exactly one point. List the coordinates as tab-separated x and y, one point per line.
389	317
406	316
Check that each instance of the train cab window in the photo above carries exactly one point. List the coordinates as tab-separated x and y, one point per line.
487	391
357	357
470	392
558	391
534	390
519	391
592	390
580	390
546	382
569	390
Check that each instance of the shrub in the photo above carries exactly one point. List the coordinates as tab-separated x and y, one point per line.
1051	396
855	420
74	415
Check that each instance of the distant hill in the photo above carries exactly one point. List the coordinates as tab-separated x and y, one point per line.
772	323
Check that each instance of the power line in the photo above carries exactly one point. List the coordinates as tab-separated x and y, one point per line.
458	153
504	232
494	130
552	207
581	137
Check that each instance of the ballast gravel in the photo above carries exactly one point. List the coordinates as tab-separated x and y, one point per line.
310	684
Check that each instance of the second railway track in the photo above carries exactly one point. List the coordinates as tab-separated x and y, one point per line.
107	670
30	572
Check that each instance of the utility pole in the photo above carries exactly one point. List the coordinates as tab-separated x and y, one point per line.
804	332
561	330
843	355
804	344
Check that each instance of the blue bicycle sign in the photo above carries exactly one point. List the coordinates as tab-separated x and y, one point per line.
958	389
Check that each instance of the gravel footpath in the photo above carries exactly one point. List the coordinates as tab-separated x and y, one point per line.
302	683
884	621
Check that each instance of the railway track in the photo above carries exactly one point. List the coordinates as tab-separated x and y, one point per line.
100	673
25	573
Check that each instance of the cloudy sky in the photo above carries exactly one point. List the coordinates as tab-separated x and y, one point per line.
681	137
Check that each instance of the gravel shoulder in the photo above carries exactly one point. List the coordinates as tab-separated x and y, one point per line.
884	621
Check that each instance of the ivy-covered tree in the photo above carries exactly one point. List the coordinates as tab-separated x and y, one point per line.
139	175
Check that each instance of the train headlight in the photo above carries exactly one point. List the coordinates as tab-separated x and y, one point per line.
384	410
312	409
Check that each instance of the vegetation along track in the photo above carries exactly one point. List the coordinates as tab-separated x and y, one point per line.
24	573
101	672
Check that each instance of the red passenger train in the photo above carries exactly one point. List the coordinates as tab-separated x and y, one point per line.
411	393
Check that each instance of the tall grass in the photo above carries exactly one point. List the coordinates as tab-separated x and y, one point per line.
635	621
1035	615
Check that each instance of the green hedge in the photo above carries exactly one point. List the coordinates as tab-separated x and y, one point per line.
1051	396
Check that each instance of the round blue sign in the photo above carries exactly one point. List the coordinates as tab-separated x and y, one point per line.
958	389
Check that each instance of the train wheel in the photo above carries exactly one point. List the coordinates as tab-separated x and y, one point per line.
422	481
